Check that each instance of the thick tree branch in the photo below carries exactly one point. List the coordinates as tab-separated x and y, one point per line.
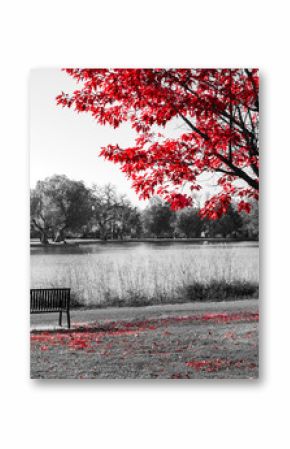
231	120
239	172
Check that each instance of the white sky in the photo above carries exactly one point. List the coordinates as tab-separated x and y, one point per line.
64	142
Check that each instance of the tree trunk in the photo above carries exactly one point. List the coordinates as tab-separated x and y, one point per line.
103	233
59	236
43	232
43	237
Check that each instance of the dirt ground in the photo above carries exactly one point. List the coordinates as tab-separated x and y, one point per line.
189	341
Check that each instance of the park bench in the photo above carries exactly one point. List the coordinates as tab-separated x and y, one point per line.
49	300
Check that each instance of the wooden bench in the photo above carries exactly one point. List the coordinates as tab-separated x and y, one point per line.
49	300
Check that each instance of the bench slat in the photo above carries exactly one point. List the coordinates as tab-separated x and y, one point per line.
49	300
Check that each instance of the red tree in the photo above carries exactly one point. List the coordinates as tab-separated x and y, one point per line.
219	108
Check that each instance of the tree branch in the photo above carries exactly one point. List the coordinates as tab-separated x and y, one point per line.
239	172
221	170
250	75
188	122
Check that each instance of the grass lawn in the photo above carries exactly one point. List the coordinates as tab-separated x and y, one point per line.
196	345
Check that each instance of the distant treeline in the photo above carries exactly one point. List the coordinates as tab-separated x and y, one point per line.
63	208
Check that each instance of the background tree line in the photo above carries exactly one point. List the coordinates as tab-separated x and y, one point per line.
62	208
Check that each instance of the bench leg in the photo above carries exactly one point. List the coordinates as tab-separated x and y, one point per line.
68	319
60	318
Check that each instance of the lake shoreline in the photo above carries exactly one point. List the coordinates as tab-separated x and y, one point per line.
78	242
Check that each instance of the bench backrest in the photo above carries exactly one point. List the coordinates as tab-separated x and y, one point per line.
49	299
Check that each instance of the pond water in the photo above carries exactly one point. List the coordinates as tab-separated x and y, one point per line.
133	247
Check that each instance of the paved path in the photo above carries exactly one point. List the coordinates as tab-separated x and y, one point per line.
49	321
